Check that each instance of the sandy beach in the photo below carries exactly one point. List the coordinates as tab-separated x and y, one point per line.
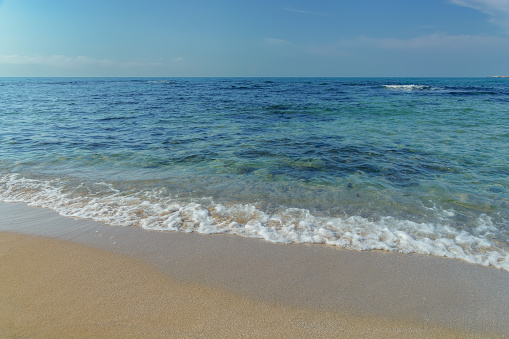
62	277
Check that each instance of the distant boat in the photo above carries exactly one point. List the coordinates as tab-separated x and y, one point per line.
500	76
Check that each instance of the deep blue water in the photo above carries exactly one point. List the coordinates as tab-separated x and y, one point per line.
402	164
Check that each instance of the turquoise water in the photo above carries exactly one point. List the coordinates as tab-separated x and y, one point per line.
401	164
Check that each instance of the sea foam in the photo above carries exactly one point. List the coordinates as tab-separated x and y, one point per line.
408	87
153	211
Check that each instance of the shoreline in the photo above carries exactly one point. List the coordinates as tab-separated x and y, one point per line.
362	291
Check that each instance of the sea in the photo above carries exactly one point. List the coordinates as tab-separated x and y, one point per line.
410	165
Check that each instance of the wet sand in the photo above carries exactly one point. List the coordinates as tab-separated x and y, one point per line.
62	277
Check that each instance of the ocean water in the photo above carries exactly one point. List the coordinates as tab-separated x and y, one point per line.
398	164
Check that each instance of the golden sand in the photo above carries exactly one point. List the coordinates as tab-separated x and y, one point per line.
59	289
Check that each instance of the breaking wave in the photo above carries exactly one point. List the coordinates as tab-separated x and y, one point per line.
154	210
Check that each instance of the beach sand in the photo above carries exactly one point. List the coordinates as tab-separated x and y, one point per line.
61	277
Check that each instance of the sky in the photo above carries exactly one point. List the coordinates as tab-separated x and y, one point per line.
254	38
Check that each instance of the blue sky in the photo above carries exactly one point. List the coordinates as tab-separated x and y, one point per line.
254	38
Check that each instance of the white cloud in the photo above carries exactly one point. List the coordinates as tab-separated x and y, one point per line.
62	61
437	44
53	60
498	10
288	9
488	6
436	41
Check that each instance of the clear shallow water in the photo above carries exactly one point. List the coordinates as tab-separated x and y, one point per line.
401	164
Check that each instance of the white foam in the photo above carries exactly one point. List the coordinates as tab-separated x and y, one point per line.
155	212
408	87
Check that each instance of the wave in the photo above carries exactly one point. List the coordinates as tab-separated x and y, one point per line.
155	210
159	81
408	87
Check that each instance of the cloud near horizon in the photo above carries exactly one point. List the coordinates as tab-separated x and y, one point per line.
482	55
438	41
429	55
62	61
435	41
